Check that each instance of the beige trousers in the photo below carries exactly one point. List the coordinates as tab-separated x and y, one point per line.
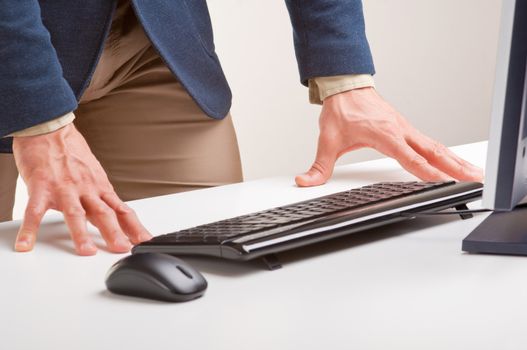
142	125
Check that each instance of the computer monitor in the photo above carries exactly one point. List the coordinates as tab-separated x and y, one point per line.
506	171
505	230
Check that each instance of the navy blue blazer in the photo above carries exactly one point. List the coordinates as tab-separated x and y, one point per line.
49	50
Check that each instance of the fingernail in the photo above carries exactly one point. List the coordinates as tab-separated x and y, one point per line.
301	180
22	245
313	179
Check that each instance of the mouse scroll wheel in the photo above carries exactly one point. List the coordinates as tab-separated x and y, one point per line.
184	271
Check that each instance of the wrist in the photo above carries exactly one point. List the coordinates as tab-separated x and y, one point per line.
48	139
354	94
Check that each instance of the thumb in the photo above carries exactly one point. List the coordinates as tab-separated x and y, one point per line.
322	168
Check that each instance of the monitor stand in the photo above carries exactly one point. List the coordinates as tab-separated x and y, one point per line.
500	233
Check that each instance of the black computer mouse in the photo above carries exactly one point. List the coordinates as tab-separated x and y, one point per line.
155	276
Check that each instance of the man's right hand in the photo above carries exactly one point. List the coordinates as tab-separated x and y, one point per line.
61	173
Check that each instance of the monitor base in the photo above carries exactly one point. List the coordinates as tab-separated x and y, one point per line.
500	233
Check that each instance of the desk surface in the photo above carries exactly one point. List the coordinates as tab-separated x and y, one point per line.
404	286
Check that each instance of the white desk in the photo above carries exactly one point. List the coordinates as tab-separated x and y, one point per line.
405	286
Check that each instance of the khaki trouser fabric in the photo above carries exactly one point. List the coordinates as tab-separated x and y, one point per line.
8	177
148	133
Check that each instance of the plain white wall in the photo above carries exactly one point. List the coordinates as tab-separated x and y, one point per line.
434	59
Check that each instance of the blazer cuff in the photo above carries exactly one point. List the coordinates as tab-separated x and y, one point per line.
46	127
321	88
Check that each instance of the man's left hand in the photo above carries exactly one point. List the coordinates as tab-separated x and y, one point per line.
362	118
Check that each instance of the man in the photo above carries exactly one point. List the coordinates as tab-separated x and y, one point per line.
134	89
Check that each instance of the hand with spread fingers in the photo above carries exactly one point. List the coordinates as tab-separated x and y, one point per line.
61	173
362	118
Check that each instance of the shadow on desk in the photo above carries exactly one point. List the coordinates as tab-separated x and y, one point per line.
55	234
236	268
52	233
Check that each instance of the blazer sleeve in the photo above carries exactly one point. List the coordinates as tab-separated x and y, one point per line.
32	87
330	38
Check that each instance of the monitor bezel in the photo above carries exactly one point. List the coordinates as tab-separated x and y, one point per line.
505	173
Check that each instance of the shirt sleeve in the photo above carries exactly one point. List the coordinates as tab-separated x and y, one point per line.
46	127
321	88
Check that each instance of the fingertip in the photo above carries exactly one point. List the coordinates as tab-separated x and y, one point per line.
471	173
145	237
479	179
446	177
300	180
480	175
306	180
86	249
87	252
433	176
309	179
24	242
143	234
23	246
140	239
476	177
442	178
148	236
120	246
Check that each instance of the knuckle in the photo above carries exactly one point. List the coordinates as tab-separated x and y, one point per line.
124	209
67	180
74	211
319	167
387	127
417	161
105	185
34	210
463	169
438	149
396	138
101	210
107	193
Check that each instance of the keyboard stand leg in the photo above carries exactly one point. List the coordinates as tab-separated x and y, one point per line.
464	216
272	262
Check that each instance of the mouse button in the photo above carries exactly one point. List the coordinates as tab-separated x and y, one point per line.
132	277
148	264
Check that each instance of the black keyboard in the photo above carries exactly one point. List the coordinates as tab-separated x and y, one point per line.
291	226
